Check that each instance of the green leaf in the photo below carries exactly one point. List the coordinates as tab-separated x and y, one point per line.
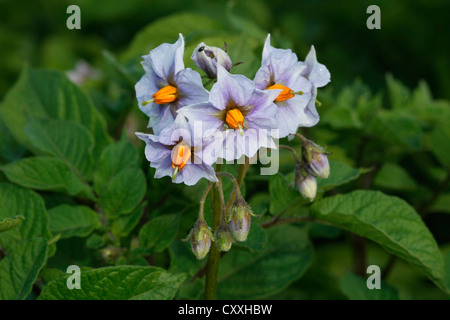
73	221
355	288
440	144
442	204
118	283
10	150
340	173
342	118
281	194
256	240
392	176
44	173
191	290
15	201
10	223
191	25
20	268
246	275
182	259
124	192
114	158
157	234
398	93
124	224
447	271
400	130
387	220
65	140
48	94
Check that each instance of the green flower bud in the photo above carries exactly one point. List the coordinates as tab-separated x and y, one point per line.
200	237
306	183
240	219
224	237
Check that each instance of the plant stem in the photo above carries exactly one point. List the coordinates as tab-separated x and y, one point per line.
292	150
212	267
241	175
203	199
359	254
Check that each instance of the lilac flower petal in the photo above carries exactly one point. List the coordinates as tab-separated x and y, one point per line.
279	63
202	119
316	72
166	60
161	116
234	146
192	173
230	87
154	150
145	88
285	55
190	88
179	130
264	110
262	78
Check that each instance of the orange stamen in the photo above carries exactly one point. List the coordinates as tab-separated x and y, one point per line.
165	95
284	95
235	119
181	154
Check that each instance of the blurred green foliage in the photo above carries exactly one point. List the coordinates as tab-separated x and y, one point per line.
411	44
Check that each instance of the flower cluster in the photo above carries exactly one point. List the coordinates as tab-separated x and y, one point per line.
193	128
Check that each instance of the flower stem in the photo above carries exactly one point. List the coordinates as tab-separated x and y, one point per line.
212	267
241	175
292	150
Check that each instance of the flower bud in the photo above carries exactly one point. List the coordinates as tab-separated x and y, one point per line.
240	219
306	183
319	165
224	237
316	160
200	237
207	58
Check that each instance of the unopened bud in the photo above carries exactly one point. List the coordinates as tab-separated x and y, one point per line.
319	165
224	237
201	238
240	219
306	183
315	158
207	58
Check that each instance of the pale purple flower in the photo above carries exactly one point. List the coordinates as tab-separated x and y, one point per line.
318	75
207	58
238	117
177	154
167	86
280	69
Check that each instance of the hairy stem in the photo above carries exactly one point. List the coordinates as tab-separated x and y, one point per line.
212	266
202	201
292	150
243	168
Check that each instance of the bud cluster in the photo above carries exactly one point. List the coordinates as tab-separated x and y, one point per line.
314	164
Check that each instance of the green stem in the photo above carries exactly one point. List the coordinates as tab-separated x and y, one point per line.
212	267
292	150
241	175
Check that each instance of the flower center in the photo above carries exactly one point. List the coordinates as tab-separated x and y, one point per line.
284	95
181	154
235	119
164	95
